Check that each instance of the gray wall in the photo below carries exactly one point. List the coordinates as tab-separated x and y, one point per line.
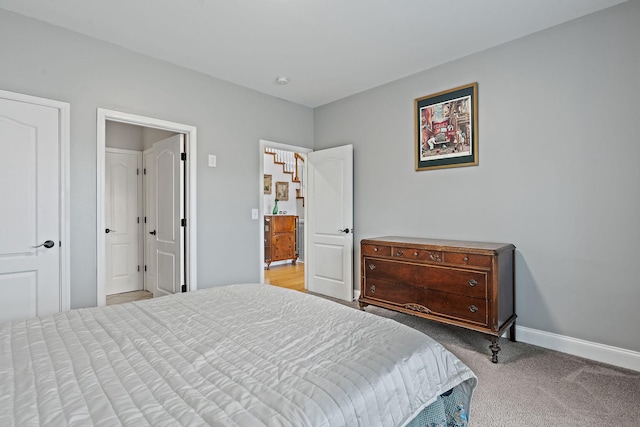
150	136
42	60
123	136
559	171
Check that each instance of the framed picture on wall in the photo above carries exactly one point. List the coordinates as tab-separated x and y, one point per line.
282	190
267	184
446	128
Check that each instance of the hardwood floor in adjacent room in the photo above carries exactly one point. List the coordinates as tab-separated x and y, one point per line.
128	297
286	276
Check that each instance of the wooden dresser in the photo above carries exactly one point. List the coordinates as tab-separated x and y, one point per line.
280	238
468	284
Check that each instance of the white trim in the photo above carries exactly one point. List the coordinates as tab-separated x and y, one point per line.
589	350
191	135
64	121
262	145
123	151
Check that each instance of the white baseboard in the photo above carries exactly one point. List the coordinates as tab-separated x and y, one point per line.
286	261
589	350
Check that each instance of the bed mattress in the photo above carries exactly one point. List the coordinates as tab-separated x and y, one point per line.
240	355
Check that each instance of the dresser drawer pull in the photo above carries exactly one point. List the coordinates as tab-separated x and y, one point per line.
417	307
434	256
373	289
415	254
399	253
472	282
466	259
375	249
473	308
372	267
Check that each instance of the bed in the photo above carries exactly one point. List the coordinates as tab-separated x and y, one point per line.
239	355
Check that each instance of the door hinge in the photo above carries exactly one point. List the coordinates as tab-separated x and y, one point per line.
184	288
183	222
183	156
145	268
144	171
138	220
137	171
145	219
138	268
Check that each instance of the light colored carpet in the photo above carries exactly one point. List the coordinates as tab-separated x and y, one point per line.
533	386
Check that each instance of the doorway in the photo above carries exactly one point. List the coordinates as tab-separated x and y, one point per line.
283	169
328	214
185	217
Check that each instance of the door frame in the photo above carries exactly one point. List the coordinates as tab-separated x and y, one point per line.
104	115
64	196
302	150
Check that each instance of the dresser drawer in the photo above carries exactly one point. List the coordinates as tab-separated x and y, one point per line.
455	306
452	280
409	253
390	292
467	259
393	271
376	250
283	246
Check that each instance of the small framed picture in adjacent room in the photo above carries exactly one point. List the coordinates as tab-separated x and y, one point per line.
282	190
267	184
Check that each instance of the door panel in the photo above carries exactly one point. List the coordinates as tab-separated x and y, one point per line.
167	243
330	213
121	218
166	183
166	263
29	190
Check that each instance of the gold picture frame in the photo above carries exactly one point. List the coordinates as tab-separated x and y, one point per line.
267	184
282	190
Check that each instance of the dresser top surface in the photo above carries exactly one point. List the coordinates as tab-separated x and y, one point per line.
439	243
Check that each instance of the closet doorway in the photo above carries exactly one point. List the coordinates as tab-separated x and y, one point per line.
145	206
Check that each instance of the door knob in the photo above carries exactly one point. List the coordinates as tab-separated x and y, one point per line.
48	244
108	230
346	231
153	233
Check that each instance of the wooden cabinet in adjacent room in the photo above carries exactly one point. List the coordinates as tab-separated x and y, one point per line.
468	284
280	238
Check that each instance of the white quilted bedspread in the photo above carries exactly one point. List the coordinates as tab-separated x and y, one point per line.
240	355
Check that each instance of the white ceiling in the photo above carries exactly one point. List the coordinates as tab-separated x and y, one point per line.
329	49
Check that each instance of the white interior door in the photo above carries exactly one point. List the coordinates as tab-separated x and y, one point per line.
168	211
329	222
150	282
30	214
122	219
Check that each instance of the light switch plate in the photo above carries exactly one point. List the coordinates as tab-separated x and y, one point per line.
254	213
212	160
